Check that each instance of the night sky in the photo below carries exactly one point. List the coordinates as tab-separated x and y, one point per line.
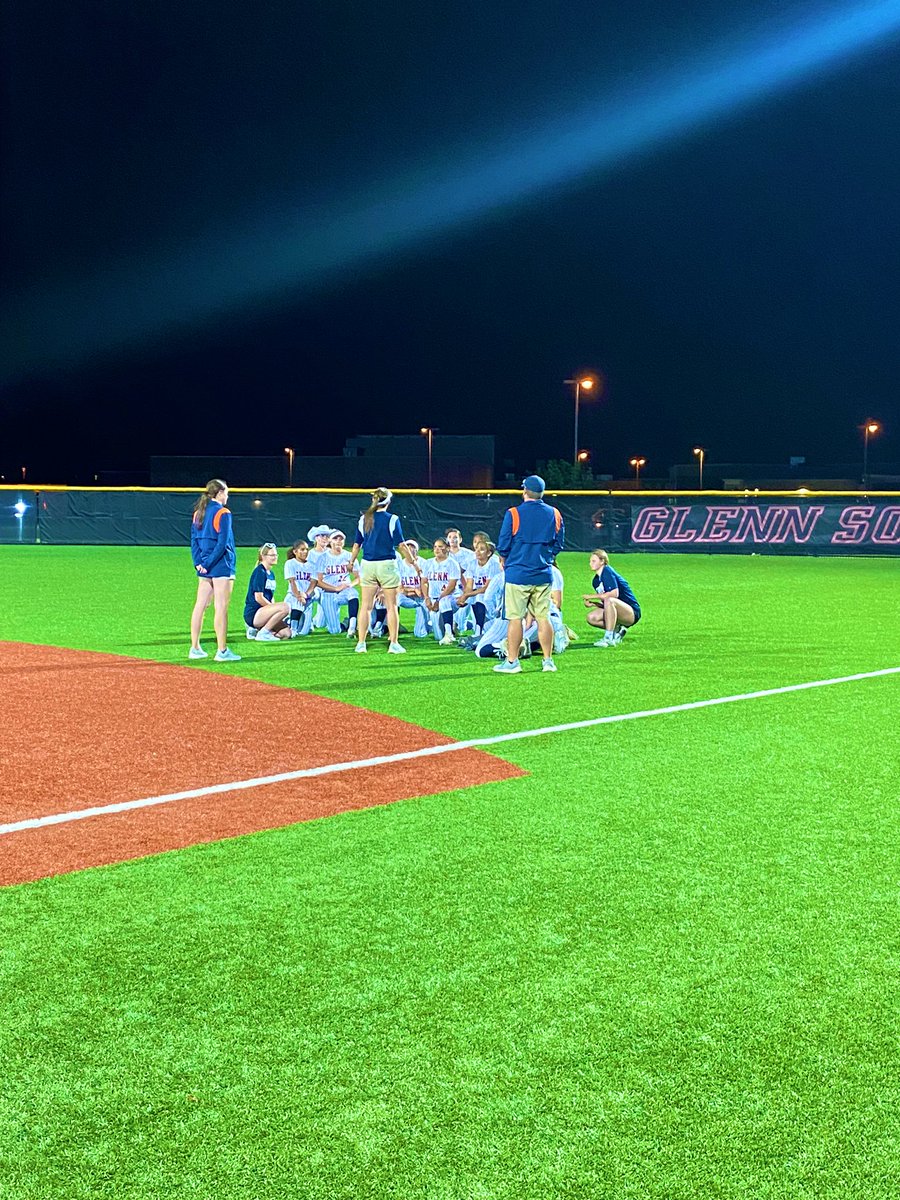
227	230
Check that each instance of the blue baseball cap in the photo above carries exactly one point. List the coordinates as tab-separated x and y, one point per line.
533	483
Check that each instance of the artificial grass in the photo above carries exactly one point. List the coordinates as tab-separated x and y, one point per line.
664	964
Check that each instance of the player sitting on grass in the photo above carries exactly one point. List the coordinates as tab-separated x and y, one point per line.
265	620
612	606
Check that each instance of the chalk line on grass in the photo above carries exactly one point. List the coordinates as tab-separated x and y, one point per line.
426	752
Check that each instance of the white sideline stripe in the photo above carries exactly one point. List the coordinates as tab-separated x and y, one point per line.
425	752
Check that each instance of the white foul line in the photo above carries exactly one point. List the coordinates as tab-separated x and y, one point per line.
425	752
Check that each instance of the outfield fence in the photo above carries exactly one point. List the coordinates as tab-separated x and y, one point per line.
814	523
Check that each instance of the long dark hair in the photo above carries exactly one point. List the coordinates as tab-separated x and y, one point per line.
212	490
381	498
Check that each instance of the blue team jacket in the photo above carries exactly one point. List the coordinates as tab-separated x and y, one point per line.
212	545
531	536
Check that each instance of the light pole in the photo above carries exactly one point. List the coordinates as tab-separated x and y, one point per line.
289	451
428	432
583	383
701	454
870	427
637	463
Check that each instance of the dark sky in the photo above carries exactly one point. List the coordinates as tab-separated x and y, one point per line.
199	254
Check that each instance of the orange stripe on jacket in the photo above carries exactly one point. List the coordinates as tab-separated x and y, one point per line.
217	518
514	513
558	518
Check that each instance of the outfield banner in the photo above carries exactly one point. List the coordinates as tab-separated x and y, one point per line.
736	525
810	527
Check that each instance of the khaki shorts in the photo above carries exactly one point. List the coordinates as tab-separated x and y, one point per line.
380	572
522	598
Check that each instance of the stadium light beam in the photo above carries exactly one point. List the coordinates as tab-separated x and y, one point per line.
218	274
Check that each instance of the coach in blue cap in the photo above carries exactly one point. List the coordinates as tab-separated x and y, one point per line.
531	536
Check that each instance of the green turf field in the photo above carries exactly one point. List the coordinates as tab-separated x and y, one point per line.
666	963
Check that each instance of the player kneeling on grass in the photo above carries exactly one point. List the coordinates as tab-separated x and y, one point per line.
301	581
336	573
265	621
410	594
612	605
443	575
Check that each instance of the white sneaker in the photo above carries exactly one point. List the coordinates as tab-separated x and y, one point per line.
525	650
361	648
266	635
560	642
548	665
448	639
396	648
251	632
608	640
197	652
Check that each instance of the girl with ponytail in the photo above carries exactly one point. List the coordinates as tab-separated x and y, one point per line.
212	549
379	537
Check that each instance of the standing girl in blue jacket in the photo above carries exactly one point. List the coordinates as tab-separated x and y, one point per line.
212	549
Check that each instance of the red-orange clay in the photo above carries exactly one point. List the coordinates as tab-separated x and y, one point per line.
83	730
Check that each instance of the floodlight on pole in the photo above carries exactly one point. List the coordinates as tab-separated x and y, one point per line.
869	428
289	451
701	455
428	431
637	463
581	383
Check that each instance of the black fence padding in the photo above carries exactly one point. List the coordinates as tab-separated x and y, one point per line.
713	525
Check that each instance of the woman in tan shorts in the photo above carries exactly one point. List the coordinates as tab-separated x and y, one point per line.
379	538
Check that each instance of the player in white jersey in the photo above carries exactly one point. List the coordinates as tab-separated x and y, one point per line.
560	632
335	582
442	574
478	576
466	559
300	585
411	593
318	539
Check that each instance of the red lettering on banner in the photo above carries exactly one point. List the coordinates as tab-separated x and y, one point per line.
797	522
716	528
887	528
650	525
756	522
854	524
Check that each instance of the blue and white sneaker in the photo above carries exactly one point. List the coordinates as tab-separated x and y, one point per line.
197	652
508	668
548	665
250	632
560	641
227	655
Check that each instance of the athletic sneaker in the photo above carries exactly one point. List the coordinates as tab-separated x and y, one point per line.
361	648
548	665
197	652
227	655
266	635
378	631
448	639
525	650
608	640
560	641
508	668
251	632
396	648
620	633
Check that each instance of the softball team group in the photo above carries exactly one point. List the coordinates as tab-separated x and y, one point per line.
458	596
